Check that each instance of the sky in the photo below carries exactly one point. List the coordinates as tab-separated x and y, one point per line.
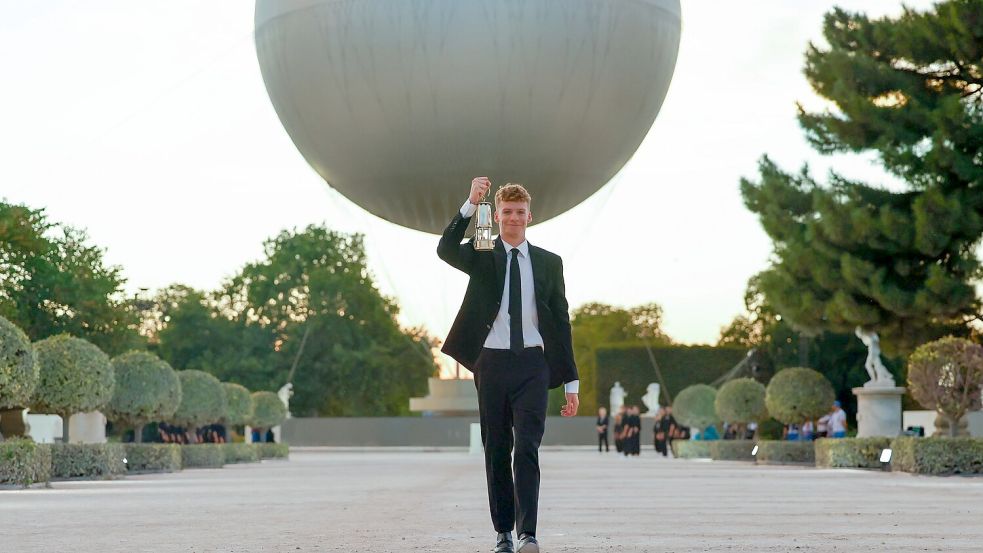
148	124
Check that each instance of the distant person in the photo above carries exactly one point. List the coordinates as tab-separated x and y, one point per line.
806	432
822	426
619	429
662	429
602	429
792	432
837	421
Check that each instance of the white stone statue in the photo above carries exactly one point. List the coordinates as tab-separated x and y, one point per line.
651	399
284	393
617	398
879	375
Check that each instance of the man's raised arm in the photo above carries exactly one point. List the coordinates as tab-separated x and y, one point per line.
450	248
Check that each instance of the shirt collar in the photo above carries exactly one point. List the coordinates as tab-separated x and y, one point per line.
523	247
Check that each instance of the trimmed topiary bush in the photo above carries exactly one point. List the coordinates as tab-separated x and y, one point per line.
87	460
23	462
268	410
731	450
798	394
850	452
202	400
239	404
946	375
694	406
241	452
937	455
196	456
770	430
18	367
75	377
741	401
273	451
785	453
147	389
153	457
691	449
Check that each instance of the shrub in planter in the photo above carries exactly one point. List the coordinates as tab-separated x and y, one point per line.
741	401
241	452
195	456
268	410
273	451
937	455
153	457
770	430
691	449
694	406
87	460
147	389
796	395
731	450
202	400
23	462
850	452
946	375
75	377
18	367
785	453
239	404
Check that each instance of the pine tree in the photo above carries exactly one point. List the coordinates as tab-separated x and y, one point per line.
851	254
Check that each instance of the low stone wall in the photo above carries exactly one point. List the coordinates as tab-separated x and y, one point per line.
430	432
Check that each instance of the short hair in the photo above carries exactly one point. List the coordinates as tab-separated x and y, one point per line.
512	192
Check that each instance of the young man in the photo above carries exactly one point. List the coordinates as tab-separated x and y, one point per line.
513	333
602	430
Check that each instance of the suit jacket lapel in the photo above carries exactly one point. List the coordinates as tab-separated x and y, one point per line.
538	272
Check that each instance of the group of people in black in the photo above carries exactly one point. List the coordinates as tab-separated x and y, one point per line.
628	430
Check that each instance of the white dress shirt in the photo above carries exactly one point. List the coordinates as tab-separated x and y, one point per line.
499	336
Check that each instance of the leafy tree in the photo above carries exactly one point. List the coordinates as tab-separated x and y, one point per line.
268	410
18	367
239	404
741	401
595	325
946	375
851	254
75	376
202	400
147	389
55	282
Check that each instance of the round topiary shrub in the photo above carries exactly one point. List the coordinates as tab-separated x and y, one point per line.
75	377
147	389
268	410
798	394
202	400
18	367
741	400
239	404
946	375
694	406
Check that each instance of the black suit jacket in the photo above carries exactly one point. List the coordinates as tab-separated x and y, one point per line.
484	297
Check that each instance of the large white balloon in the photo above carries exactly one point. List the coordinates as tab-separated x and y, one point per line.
399	103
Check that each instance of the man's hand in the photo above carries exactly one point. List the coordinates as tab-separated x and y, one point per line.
570	409
479	186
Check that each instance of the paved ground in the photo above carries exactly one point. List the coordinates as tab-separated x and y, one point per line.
413	501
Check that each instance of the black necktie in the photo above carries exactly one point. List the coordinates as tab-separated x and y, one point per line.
515	304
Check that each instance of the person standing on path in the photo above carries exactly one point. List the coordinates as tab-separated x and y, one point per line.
602	429
513	332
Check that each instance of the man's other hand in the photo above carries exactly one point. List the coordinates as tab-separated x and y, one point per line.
570	409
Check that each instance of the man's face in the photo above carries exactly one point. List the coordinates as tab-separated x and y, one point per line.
513	217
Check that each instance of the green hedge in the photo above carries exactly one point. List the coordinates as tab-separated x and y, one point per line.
196	456
778	452
691	449
850	452
271	450
937	455
240	453
87	460
731	450
681	366
153	457
23	462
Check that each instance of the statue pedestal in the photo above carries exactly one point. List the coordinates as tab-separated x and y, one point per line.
878	410
87	428
448	398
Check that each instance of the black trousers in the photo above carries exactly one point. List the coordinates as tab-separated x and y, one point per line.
512	400
602	439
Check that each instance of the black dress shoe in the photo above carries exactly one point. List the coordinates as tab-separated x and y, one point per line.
504	544
528	544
